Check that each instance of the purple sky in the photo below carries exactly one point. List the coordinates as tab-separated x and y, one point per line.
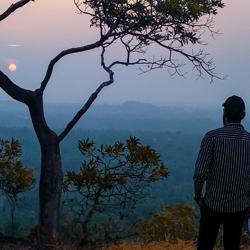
43	28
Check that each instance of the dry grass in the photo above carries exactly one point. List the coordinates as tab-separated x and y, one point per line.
180	245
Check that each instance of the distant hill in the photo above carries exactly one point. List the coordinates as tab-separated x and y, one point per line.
126	116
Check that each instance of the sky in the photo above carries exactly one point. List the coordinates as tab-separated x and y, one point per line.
43	28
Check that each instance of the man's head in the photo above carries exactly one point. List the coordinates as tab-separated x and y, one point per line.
234	109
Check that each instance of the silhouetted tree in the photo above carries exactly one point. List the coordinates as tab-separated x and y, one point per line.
13	7
135	25
15	179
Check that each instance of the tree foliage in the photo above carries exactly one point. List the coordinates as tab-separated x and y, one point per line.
164	19
112	178
174	222
169	24
15	179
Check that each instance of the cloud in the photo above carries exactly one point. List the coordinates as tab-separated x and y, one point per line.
14	45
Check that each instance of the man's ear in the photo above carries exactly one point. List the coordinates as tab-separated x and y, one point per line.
243	115
224	112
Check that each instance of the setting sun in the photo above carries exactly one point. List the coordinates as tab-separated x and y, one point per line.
12	67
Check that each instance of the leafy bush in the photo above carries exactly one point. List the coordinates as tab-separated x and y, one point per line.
174	222
15	179
111	181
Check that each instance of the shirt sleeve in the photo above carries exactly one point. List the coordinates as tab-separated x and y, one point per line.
204	160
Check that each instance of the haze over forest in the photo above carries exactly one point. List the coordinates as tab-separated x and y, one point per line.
174	132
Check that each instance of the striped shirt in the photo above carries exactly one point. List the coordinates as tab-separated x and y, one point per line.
224	164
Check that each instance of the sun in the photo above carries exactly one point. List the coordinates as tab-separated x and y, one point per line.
12	67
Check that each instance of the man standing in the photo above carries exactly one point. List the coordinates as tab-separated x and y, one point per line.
223	164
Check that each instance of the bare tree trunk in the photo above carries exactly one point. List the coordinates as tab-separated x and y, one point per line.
50	191
51	177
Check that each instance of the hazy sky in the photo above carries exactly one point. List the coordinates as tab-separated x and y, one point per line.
43	28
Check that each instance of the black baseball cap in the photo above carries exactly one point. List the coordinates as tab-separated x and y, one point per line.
235	103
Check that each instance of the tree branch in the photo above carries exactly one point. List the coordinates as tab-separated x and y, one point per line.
75	50
16	92
150	64
13	7
199	60
83	11
65	53
91	99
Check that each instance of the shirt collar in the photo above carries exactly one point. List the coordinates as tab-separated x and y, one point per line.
234	124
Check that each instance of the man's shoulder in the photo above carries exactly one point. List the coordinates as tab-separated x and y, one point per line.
227	131
215	132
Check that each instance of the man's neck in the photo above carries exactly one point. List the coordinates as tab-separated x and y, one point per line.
232	123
